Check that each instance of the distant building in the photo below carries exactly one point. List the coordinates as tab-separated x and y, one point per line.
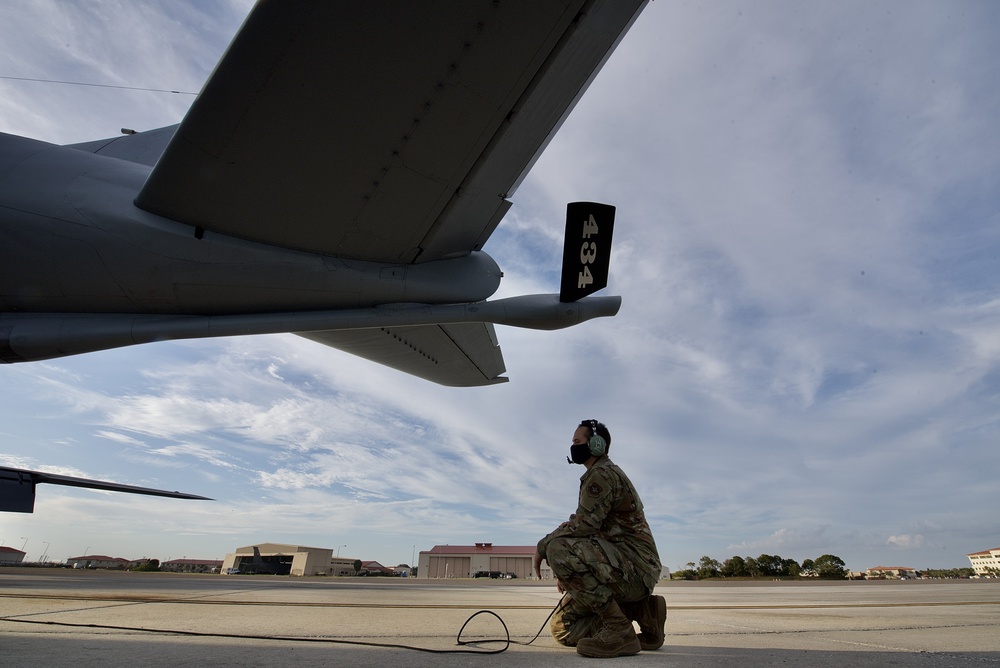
375	568
98	561
481	559
192	566
342	566
9	556
891	573
281	559
986	562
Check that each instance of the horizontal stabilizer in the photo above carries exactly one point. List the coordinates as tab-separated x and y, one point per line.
586	249
17	488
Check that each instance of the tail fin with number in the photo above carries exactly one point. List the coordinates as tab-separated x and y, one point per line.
586	249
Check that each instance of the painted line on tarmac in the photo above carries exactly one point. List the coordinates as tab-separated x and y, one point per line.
123	599
831	606
296	604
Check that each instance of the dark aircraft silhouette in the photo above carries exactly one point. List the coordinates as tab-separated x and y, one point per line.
336	177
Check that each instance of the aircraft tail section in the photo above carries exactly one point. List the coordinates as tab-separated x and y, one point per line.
586	249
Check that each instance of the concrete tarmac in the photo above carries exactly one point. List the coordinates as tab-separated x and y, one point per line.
54	617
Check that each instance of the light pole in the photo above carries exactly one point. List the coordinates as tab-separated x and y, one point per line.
24	543
86	551
338	550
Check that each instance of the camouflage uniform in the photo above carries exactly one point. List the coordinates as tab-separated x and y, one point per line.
605	550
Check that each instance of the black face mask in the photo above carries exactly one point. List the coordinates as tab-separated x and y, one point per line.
579	453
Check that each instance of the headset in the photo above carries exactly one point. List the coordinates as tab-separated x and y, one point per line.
598	446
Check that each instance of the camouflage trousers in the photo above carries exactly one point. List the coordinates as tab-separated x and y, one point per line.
591	571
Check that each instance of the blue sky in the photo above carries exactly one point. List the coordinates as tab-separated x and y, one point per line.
807	359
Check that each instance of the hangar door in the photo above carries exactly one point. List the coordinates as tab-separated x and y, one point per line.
449	567
271	564
517	566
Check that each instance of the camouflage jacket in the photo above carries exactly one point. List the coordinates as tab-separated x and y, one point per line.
610	509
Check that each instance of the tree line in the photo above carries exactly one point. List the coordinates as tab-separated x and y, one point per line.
827	566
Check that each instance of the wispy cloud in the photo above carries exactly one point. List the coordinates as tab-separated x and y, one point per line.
905	541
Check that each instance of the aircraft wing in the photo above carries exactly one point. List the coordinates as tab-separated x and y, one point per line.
384	130
458	355
17	488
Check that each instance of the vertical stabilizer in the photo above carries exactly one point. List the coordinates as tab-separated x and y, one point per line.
586	249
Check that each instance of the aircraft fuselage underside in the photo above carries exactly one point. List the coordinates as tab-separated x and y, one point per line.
82	246
83	269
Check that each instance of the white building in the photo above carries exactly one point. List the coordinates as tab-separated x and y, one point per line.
986	562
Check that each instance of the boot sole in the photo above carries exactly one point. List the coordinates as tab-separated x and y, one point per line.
629	649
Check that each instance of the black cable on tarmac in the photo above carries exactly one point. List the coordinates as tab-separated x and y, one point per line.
200	634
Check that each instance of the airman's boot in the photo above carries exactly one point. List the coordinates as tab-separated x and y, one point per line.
616	637
651	614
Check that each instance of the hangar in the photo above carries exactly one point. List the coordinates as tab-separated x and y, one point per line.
479	560
281	559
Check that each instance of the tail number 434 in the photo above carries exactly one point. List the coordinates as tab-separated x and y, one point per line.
586	249
588	253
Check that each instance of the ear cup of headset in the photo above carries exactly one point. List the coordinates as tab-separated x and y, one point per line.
597	445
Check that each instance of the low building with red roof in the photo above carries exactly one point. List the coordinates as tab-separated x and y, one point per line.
479	560
98	561
192	566
10	556
891	573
